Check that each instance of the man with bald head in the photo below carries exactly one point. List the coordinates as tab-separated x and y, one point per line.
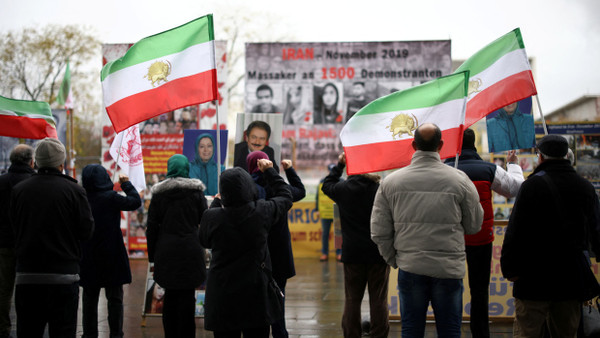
420	216
21	167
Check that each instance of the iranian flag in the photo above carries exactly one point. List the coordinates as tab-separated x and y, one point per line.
65	96
379	136
161	73
26	119
500	75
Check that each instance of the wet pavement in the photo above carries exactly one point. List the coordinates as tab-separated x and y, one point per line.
314	305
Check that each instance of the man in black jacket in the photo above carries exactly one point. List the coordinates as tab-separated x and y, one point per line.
555	218
363	265
21	167
50	215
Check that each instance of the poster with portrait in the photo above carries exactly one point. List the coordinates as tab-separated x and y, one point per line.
511	127
318	87
162	137
200	147
257	131
154	296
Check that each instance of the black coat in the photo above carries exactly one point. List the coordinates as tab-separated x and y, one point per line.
237	234
105	261
539	247
50	215
354	198
16	173
280	240
174	215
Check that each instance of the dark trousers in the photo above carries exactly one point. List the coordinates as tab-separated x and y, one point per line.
278	329
357	277
114	297
52	304
260	332
179	311
479	259
7	285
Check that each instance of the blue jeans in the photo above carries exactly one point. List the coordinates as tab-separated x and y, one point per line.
326	226
416	291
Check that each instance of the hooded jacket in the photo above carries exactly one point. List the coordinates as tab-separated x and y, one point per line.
206	171
174	215
236	229
421	214
105	261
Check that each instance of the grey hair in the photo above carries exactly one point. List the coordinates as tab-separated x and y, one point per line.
546	157
570	156
21	154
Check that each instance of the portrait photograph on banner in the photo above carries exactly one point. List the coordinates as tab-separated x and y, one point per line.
511	127
257	132
200	147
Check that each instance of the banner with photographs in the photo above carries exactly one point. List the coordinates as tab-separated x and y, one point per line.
318	87
162	136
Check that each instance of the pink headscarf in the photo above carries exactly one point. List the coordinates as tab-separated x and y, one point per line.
252	160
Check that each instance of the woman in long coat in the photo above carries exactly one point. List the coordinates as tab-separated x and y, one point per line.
174	215
236	229
105	263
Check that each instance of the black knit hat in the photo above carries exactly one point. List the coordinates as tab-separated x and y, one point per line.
553	146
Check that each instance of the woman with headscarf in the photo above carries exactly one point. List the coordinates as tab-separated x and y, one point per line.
279	241
205	166
174	247
236	229
105	263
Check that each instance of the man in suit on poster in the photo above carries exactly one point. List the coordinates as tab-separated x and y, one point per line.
256	137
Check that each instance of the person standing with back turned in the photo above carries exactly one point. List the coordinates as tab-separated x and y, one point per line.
21	168
420	216
50	215
363	265
105	263
487	177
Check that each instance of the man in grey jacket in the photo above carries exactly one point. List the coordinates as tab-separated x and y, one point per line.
419	219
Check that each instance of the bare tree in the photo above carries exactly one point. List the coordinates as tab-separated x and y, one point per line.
32	60
239	26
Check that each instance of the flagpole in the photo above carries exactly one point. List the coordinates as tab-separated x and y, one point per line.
117	159
537	99
464	114
218	136
71	143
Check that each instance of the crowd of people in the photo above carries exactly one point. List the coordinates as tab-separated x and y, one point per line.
431	220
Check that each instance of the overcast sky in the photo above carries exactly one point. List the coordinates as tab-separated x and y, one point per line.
563	36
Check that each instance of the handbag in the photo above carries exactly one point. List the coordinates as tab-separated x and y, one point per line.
590	317
274	298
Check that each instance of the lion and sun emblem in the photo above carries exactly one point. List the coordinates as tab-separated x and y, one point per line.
158	71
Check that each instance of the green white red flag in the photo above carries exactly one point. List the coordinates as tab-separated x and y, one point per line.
26	119
379	136
65	96
161	73
500	75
